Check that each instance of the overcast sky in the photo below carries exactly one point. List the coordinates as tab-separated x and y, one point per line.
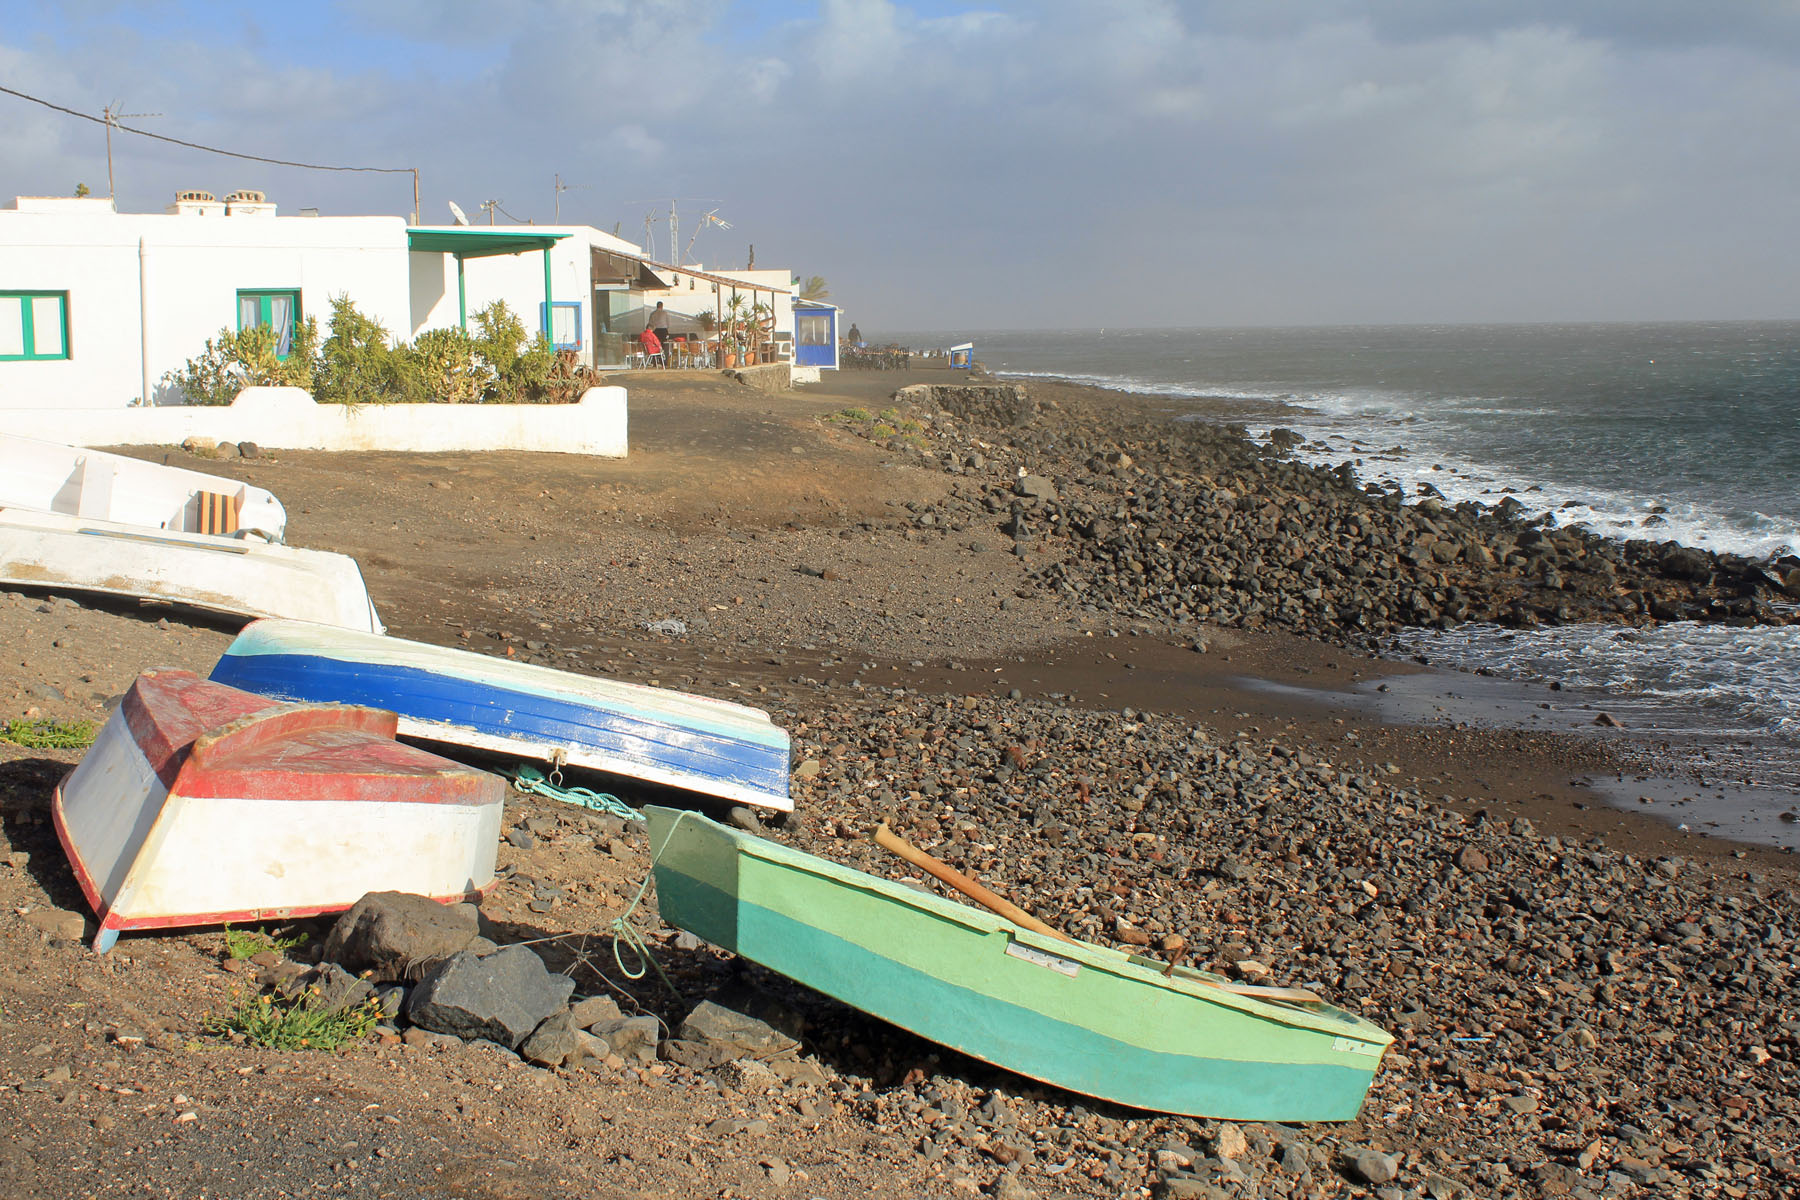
1007	165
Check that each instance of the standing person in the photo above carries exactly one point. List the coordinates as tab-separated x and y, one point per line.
659	322
855	337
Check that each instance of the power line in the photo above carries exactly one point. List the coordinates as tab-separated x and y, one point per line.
215	150
279	162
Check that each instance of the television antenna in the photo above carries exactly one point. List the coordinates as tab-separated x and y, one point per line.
711	218
562	187
113	118
457	214
674	219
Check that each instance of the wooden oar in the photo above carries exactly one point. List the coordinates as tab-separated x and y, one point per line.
892	842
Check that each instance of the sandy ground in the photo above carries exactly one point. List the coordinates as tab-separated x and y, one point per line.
781	540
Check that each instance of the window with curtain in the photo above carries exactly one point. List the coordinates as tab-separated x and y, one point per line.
34	325
279	310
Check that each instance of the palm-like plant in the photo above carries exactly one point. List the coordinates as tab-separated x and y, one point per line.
814	288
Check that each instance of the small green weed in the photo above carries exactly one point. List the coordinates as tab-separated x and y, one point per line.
851	414
296	1024
247	943
881	430
49	735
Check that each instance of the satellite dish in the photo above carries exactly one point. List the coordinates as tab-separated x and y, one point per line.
456	211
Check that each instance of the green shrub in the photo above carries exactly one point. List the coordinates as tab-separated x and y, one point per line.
231	362
523	366
246	943
299	1023
499	363
48	735
444	368
358	363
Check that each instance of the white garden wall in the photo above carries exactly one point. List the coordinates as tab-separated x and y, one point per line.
288	419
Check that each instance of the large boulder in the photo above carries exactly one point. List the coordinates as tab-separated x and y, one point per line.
501	997
397	936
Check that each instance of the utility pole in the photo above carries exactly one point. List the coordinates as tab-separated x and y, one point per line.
490	205
113	118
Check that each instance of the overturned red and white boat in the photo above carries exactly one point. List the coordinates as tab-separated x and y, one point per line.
200	804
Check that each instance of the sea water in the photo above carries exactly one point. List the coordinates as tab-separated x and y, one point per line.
1677	432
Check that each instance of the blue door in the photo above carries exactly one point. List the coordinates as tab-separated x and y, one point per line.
815	337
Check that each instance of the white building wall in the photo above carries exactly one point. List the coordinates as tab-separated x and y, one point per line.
147	290
518	279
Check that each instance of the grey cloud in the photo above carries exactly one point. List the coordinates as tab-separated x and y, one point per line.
1032	165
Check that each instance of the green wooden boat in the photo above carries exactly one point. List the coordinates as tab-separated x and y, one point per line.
1082	1017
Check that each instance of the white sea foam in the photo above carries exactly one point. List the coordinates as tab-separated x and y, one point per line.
1392	445
1716	668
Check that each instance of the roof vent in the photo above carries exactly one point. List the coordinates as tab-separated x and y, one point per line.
248	203
196	202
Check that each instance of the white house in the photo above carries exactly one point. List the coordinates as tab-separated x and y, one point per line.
96	306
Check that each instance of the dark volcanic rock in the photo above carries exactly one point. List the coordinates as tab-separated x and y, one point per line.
395	936
731	1034
501	997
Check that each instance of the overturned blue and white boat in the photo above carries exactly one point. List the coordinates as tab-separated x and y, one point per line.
459	698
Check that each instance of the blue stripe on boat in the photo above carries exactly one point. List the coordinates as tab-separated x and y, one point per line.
442	697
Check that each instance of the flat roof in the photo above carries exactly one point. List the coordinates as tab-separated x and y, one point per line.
469	242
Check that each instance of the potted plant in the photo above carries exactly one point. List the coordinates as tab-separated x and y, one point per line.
762	329
734	341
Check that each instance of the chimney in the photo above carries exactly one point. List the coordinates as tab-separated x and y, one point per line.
248	203
196	203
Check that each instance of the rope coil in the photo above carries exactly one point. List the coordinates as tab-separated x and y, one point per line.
530	780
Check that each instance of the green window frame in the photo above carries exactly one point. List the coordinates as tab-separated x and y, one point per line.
277	308
34	326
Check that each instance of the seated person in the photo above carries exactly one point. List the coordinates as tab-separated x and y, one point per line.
652	345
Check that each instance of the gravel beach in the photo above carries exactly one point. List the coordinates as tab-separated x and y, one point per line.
1098	658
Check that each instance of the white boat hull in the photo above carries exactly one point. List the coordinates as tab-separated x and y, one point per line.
453	697
78	482
219	574
153	854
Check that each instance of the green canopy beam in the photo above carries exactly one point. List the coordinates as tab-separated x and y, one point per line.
466	242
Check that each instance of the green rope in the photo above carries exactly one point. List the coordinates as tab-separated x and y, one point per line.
625	935
530	779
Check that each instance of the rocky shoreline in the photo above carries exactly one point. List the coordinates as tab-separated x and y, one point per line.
1573	1018
1194	522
